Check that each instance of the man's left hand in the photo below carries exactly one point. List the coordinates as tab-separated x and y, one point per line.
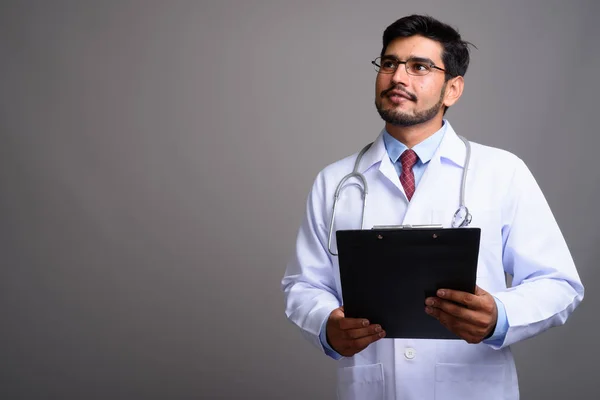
470	316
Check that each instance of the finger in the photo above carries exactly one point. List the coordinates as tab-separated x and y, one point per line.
467	299
362	343
353	323
362	332
434	312
473	317
464	330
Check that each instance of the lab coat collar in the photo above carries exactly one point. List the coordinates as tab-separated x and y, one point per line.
451	148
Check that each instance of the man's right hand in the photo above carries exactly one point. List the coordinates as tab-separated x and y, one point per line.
349	336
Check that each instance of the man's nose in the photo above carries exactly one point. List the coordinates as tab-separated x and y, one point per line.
400	76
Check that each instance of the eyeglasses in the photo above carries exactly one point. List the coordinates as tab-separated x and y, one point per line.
414	66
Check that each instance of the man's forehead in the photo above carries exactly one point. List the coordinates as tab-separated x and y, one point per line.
415	46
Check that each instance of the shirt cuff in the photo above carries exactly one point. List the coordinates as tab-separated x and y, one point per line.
502	326
323	337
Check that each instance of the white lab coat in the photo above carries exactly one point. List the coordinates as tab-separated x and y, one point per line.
519	235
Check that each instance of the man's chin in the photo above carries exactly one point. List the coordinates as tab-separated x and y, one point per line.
401	120
404	108
392	115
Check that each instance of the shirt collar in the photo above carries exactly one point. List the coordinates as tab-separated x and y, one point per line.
425	150
450	149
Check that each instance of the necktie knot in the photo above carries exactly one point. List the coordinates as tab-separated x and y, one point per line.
408	159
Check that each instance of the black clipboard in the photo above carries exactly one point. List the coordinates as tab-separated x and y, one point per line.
386	275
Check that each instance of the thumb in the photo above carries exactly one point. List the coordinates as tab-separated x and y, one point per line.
337	313
479	291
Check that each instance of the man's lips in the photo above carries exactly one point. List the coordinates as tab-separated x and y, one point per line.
397	99
397	94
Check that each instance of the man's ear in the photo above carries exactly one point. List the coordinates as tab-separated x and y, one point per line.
454	89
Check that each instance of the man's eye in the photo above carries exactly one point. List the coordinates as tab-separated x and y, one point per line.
419	67
388	64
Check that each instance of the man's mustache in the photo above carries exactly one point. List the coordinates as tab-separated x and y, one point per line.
399	89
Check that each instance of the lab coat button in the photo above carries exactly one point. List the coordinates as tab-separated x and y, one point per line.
410	353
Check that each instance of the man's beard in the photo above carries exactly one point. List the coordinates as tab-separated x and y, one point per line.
400	119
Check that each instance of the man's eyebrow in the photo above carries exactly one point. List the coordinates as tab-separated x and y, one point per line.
414	58
423	60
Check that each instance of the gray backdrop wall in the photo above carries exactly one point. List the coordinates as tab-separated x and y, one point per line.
155	158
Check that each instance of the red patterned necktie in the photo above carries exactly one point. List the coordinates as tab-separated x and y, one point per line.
408	159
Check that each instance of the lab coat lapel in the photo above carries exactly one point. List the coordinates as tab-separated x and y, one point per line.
377	156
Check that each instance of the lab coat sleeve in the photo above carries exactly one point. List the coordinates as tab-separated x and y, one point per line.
546	287
309	281
499	333
328	349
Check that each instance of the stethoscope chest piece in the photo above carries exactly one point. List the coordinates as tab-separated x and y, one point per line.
462	217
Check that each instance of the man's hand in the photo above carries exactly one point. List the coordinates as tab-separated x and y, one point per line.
473	317
349	336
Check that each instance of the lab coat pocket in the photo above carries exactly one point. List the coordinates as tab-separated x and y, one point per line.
489	220
361	382
469	381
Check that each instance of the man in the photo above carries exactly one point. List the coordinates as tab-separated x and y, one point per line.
414	170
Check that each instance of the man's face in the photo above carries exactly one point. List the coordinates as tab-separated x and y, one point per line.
406	100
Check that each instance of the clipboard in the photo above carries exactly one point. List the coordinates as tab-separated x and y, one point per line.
387	273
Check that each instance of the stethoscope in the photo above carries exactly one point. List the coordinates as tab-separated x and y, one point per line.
462	216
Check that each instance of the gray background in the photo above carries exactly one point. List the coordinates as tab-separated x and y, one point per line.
155	159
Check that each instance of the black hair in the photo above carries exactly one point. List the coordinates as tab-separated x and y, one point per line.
455	55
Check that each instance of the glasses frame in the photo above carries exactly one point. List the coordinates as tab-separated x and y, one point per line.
377	64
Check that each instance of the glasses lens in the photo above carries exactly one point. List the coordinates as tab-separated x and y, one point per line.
386	65
376	64
417	67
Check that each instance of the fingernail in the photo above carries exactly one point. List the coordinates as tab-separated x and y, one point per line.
365	323
428	310
381	334
378	329
441	293
429	302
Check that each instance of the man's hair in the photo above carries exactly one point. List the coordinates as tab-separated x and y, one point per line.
455	54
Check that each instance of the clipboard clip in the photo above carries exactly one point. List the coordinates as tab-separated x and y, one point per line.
431	226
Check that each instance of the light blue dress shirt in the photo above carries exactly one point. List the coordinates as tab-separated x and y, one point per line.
425	150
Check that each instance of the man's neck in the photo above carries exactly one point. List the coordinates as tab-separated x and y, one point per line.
410	136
